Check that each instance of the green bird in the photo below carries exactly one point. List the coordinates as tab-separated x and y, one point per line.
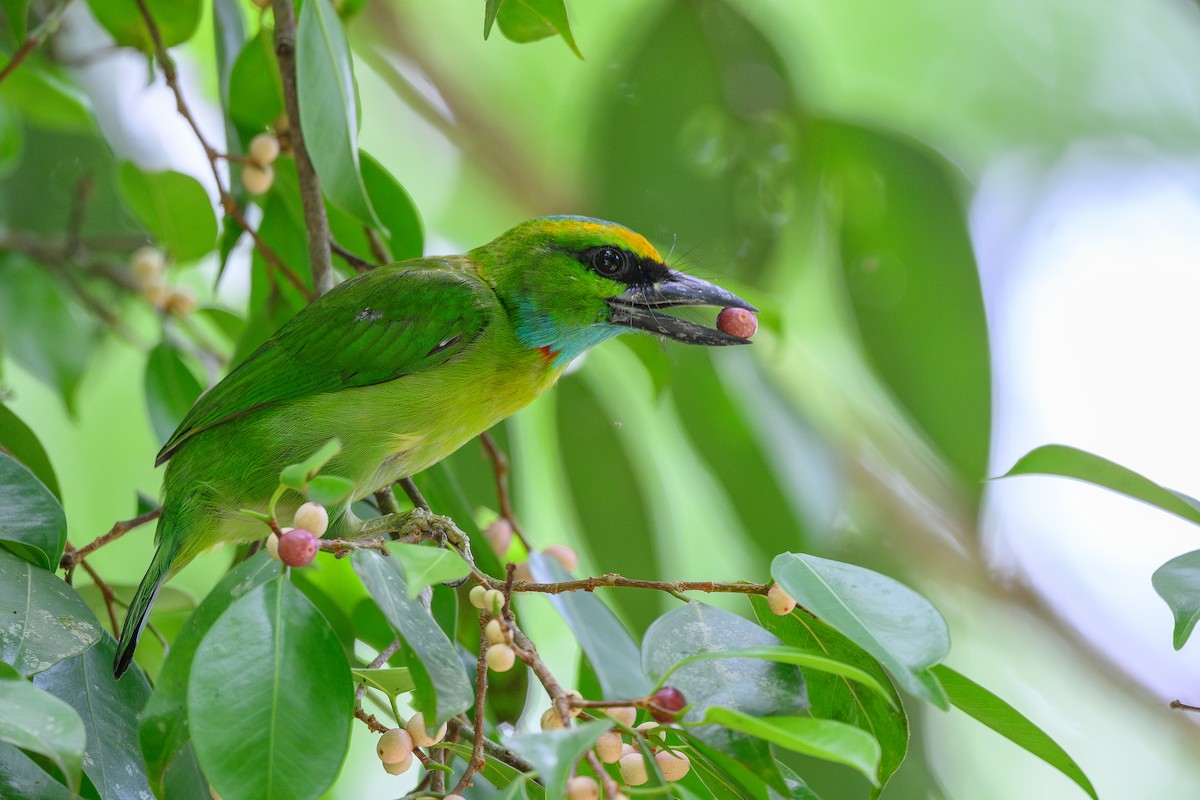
405	364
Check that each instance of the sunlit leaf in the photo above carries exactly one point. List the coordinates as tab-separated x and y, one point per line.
1005	720
39	722
328	111
274	658
171	389
555	752
1178	583
173	207
531	20
1070	462
31	518
23	445
389	680
821	738
425	566
490	9
887	619
176	21
395	207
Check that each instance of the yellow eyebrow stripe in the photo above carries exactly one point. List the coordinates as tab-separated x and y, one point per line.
634	241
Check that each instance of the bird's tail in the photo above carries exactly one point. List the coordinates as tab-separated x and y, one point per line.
143	599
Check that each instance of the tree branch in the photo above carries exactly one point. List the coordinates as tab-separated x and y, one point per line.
119	529
32	42
476	762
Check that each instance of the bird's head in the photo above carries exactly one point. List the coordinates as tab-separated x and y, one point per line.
573	282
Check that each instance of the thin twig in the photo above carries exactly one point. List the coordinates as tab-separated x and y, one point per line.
481	670
315	219
119	529
379	251
613	580
372	721
500	468
385	500
494	750
35	39
414	494
107	593
1183	706
359	265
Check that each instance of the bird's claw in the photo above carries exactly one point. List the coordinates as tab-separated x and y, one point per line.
419	524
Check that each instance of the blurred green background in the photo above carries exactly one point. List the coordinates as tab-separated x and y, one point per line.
820	159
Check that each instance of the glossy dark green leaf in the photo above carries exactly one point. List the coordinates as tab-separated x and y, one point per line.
176	21
404	234
608	645
33	302
749	686
173	207
1005	720
911	282
884	617
31	518
714	166
1178	584
425	566
443	688
328	111
555	752
274	658
531	20
109	710
835	697
255	86
171	389
164	732
1080	465
22	777
46	100
42	620
23	445
39	722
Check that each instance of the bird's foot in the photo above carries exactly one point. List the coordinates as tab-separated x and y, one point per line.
419	525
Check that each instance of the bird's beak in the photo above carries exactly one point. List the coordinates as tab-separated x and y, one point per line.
637	308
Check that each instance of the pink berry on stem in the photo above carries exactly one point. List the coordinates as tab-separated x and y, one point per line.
297	548
737	322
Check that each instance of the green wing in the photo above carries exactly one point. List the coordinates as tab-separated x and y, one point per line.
371	329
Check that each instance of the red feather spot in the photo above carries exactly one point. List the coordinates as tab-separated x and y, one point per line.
548	353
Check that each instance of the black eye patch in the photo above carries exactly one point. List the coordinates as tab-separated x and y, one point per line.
621	265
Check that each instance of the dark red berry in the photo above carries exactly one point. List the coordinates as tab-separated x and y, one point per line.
737	322
670	701
297	548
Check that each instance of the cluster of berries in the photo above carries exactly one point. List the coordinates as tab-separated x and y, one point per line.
148	269
396	745
298	545
258	173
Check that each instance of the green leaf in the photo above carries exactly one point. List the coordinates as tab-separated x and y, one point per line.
797	657
46	100
1005	720
17	13
109	710
21	776
1178	583
911	281
273	658
746	685
821	738
884	617
490	9
555	752
389	680
173	207
39	722
255	86
30	516
23	445
1069	462
497	772
176	21
443	688
171	389
329	490
531	20
314	463
835	697
33	302
164	731
328	111
425	566
404	236
610	649
42	620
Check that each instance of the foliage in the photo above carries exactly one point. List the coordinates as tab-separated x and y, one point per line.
285	657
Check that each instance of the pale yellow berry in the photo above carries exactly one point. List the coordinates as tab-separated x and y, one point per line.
563	555
673	765
551	720
575	695
626	749
493	601
652	731
399	767
494	631
146	264
394	746
633	770
608	747
273	545
583	787
623	714
416	729
500	657
263	149
156	294
180	303
312	517
780	602
476	595
258	179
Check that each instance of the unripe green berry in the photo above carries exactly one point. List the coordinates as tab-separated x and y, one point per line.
476	595
500	657
394	746
313	517
416	729
633	769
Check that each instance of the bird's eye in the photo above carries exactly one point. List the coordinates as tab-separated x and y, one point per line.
609	262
